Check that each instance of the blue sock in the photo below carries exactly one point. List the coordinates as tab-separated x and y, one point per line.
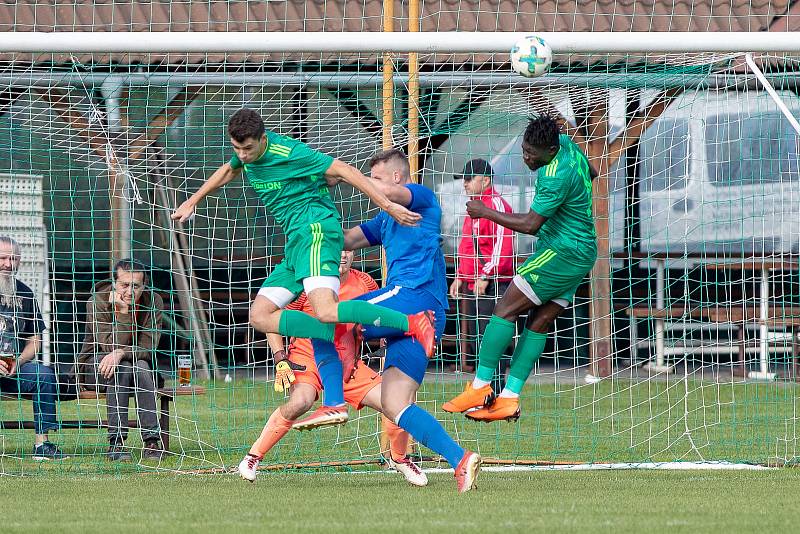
427	430
330	372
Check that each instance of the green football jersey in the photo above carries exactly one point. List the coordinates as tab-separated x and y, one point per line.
289	179
564	196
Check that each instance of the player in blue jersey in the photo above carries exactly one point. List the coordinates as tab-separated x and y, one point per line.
415	282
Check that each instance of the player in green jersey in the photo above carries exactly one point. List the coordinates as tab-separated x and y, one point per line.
292	181
561	217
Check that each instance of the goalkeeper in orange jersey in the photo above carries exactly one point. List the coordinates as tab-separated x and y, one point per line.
298	373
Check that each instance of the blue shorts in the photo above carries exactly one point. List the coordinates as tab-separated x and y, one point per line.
403	351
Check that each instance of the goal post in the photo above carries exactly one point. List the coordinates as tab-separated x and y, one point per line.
695	207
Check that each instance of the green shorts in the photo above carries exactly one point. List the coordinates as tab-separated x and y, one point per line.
312	251
550	274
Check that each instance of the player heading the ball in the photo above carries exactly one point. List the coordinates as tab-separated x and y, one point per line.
561	216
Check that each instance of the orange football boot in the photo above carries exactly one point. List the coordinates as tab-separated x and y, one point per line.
469	398
323	416
422	327
502	409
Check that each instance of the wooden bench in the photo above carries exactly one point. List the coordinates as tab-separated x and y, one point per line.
740	316
779	317
165	396
641	312
660	317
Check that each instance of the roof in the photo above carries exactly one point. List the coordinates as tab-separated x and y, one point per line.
366	15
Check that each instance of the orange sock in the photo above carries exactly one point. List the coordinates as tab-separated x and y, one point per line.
398	439
277	426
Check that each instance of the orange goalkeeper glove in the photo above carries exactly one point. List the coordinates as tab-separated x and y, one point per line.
284	374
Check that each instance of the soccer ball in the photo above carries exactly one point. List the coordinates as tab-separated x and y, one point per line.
531	56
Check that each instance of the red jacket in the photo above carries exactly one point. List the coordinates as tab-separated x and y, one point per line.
495	245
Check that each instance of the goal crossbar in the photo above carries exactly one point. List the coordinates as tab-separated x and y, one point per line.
371	42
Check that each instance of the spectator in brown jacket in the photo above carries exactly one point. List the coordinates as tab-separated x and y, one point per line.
123	327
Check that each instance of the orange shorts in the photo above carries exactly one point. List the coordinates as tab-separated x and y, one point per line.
364	379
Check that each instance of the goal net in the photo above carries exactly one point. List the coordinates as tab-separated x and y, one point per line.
681	346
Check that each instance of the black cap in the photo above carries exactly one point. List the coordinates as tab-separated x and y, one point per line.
476	167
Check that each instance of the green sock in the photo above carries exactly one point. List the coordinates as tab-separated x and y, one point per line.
528	350
366	313
496	337
298	324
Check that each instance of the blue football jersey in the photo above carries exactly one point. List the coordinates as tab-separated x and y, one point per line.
414	256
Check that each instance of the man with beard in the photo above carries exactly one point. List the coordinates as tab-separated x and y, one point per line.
21	327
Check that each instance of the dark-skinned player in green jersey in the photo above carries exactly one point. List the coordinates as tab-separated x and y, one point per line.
561	217
292	181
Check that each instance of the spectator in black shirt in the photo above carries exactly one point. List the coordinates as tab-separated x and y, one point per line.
21	328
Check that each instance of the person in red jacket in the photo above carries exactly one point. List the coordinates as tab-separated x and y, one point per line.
481	278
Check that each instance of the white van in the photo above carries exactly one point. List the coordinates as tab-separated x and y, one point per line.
718	171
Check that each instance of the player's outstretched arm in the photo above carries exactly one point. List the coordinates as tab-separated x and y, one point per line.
399	194
354	239
351	175
221	176
525	223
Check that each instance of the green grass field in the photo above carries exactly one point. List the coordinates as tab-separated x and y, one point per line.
607	501
614	421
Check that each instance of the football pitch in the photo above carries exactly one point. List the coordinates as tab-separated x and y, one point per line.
560	423
614	421
605	501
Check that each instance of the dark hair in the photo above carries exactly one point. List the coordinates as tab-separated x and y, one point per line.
542	131
132	266
393	155
245	123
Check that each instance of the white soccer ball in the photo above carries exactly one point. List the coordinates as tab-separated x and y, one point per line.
531	56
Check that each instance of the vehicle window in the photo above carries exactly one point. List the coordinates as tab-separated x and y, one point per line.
751	150
509	168
618	176
664	155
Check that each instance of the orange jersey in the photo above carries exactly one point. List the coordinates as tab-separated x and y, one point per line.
356	284
301	352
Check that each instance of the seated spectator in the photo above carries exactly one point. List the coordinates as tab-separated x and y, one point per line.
123	327
21	328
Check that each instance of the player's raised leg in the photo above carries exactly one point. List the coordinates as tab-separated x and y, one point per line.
314	255
498	334
527	352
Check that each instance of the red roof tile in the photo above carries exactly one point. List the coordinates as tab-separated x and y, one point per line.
366	15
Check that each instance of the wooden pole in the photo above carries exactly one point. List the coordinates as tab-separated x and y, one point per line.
600	302
188	292
413	95
388	122
115	211
388	75
413	119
